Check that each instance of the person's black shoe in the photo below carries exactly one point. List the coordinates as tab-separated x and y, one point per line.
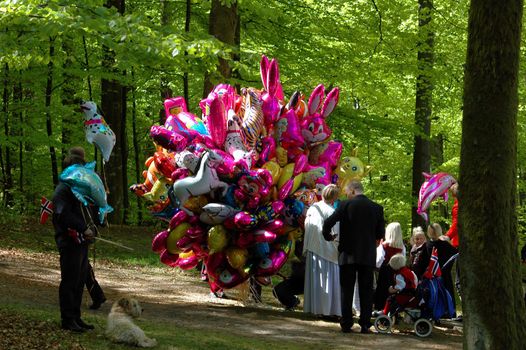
84	324
96	304
72	326
346	330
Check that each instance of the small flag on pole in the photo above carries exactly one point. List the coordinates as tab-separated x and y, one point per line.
46	209
433	269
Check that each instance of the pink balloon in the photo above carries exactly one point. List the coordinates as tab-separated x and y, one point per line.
329	153
159	241
177	219
274	225
252	186
230	277
174	106
286	189
168	139
317	175
188	262
269	266
216	119
195	232
213	262
245	221
185	243
299	164
436	186
247	239
169	259
287	131
268	150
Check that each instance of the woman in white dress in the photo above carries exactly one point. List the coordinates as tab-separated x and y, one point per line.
322	274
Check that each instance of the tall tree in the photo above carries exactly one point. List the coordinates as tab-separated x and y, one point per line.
167	14
223	24
49	123
487	213
6	162
113	103
424	101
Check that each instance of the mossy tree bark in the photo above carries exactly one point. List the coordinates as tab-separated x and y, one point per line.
493	305
423	104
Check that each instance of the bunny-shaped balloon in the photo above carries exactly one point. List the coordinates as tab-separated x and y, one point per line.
314	129
273	92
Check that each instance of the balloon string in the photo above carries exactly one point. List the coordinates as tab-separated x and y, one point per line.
106	188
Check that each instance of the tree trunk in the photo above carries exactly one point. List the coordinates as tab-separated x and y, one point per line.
188	16
49	90
18	100
167	12
223	25
423	105
135	140
70	118
6	163
493	303
113	98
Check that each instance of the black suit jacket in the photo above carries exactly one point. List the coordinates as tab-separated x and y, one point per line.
361	225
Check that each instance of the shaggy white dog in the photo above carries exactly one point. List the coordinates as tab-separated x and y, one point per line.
121	329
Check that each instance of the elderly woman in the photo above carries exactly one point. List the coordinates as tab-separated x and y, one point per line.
418	251
322	274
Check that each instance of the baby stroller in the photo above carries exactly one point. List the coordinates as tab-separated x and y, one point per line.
430	302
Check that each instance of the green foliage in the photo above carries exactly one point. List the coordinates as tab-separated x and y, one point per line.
368	49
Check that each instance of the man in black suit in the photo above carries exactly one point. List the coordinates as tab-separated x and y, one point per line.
362	226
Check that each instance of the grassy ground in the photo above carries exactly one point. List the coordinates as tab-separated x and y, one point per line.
178	312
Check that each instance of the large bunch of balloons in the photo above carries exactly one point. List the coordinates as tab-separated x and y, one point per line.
236	184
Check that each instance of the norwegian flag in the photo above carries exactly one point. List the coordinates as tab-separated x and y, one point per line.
433	269
46	209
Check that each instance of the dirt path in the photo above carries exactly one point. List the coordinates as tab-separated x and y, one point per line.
175	297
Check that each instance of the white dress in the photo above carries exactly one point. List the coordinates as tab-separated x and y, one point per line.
322	273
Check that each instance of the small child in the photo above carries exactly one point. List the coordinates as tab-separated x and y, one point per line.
403	292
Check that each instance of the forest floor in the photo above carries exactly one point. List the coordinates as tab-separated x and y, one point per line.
179	312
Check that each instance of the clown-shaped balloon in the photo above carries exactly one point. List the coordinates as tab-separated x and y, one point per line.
97	130
87	186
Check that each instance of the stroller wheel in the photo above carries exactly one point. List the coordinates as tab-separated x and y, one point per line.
382	324
423	327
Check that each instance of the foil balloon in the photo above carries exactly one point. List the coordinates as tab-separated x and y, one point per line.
253	120
316	175
203	182
196	204
350	168
169	259
216	213
168	139
271	85
174	106
165	163
87	186
187	261
314	128
267	149
159	191
97	130
150	178
274	169
174	236
217	238
293	211
236	257
215	117
229	278
287	131
269	266
252	186
187	160
437	185
329	152
180	120
159	241
234	144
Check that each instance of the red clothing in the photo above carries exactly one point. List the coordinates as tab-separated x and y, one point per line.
407	296
389	252
453	230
